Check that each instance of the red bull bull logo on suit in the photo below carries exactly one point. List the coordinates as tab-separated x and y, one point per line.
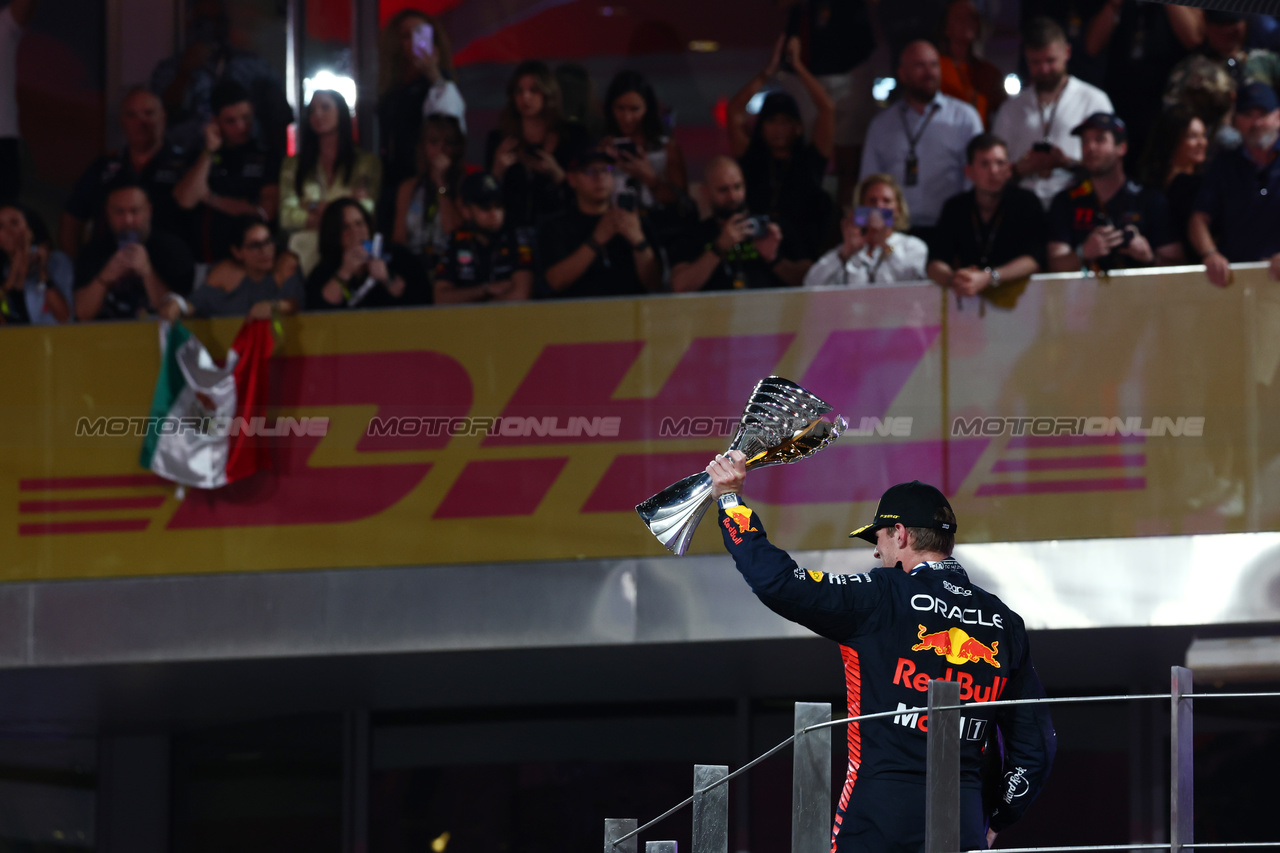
957	646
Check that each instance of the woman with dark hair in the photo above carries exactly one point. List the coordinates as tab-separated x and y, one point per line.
1177	149
415	80
426	211
328	166
37	279
529	151
783	170
649	162
351	274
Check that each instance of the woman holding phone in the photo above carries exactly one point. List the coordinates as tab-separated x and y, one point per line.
415	80
36	278
875	248
648	160
356	270
528	153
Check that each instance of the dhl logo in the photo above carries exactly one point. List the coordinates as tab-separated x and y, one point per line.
957	646
710	378
356	473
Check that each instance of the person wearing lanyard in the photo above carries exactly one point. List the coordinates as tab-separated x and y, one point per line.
1037	122
992	234
874	249
921	140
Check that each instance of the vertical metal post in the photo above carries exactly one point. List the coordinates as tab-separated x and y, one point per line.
1181	785
942	770
659	847
710	809
616	827
364	68
742	816
295	35
355	782
811	780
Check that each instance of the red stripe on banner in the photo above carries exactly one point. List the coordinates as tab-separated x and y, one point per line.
855	472
91	504
247	454
500	487
1034	441
1046	487
1130	460
119	481
127	525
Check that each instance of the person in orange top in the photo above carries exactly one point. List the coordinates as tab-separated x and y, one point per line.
964	74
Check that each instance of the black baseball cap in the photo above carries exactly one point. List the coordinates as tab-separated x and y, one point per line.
588	156
1256	96
1222	18
1104	121
480	188
913	504
779	103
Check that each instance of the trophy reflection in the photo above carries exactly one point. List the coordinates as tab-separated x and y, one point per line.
781	423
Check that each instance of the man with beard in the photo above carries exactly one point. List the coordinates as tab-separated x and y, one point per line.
129	270
723	252
1037	123
921	139
1237	216
233	176
484	262
1105	220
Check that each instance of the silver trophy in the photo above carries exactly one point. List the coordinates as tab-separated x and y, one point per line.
781	423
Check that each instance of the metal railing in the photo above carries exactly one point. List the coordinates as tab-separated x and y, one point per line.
811	812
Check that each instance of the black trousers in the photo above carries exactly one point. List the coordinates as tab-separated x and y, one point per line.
887	816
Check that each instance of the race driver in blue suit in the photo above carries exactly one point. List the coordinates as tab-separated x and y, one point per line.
918	617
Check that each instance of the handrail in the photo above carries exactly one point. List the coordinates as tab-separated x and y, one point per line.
1119	697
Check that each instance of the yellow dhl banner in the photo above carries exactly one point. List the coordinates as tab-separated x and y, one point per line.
1142	405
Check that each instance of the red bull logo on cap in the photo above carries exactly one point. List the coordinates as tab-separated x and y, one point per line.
957	646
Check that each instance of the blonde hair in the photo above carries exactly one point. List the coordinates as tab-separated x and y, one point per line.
902	221
391	56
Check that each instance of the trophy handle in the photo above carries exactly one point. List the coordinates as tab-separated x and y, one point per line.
673	513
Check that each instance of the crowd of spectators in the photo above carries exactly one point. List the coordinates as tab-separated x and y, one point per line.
1145	135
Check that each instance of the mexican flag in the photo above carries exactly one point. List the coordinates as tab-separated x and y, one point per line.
196	434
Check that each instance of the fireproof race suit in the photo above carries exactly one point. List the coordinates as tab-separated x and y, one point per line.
896	632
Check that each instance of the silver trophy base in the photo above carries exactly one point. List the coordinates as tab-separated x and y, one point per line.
673	513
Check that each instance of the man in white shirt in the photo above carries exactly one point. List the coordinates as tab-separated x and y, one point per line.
13	19
920	140
1037	124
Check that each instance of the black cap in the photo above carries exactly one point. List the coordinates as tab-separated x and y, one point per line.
480	188
1216	16
779	103
913	504
1256	96
226	93
588	155
1104	121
